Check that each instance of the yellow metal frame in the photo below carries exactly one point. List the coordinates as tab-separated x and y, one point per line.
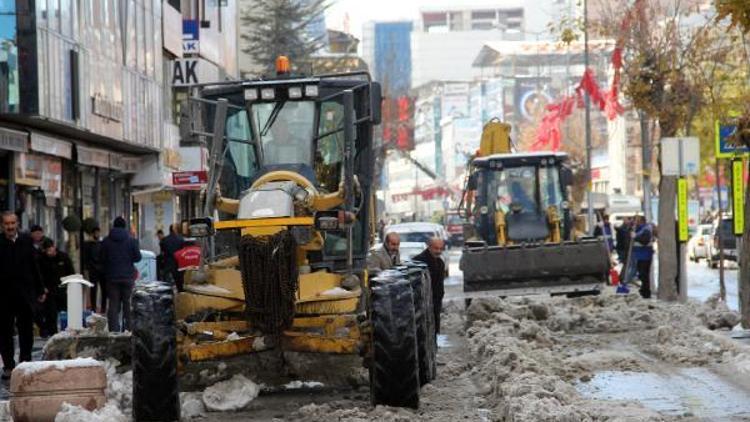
265	222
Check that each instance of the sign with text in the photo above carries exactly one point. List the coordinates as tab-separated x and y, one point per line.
724	149
189	179
186	72
682	209
738	196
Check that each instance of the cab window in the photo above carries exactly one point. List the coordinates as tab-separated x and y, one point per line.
329	153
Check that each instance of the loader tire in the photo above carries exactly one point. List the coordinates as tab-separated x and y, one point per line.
394	370
425	322
155	393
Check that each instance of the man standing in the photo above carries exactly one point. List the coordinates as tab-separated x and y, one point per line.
22	290
622	239
118	254
432	256
643	252
93	265
53	266
169	245
604	229
37	235
387	256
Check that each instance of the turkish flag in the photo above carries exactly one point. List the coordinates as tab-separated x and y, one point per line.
189	257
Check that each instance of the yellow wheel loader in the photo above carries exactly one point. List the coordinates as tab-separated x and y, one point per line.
287	222
521	237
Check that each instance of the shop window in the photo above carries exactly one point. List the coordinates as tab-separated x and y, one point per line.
9	84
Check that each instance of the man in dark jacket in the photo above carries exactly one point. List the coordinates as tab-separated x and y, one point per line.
169	245
643	252
91	259
22	290
53	266
119	252
432	257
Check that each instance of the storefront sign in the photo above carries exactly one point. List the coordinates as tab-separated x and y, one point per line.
725	149
738	196
51	146
188	179
131	164
13	140
93	157
28	169
186	72
104	107
52	177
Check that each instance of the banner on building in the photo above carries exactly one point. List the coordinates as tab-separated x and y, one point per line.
39	171
398	123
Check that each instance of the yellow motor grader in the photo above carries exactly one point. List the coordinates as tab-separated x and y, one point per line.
287	222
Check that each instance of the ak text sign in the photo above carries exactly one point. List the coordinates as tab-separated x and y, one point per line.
186	72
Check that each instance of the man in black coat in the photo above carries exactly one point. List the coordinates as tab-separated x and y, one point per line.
91	255
433	258
169	245
53	265
22	290
119	252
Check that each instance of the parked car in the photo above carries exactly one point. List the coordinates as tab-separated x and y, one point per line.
454	225
698	245
419	234
728	241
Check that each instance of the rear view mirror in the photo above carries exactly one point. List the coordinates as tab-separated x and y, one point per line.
376	103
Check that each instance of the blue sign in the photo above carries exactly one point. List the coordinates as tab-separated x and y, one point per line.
723	148
190	30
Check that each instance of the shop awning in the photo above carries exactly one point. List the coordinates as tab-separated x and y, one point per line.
14	140
51	145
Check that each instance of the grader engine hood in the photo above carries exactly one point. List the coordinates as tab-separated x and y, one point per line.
274	199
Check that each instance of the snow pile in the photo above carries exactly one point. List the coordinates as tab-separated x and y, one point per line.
109	413
233	394
233	336
191	406
530	352
119	387
343	412
60	365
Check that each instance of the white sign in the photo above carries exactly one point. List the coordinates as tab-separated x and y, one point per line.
186	72
191	47
676	150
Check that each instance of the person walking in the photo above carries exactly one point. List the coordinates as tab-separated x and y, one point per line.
169	245
37	235
432	256
119	253
604	229
22	292
53	265
386	256
91	258
643	252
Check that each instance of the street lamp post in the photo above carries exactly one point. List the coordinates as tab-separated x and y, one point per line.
589	205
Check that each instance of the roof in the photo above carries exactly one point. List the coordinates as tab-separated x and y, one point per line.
412	227
518	158
532	53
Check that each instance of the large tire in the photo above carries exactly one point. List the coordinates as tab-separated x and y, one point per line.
394	370
155	393
425	322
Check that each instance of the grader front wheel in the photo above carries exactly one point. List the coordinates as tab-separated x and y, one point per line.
394	370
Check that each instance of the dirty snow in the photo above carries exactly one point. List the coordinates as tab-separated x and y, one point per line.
191	406
109	413
61	365
233	336
233	394
297	384
336	291
208	289
4	410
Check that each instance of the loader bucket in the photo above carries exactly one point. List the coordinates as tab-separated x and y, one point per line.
536	268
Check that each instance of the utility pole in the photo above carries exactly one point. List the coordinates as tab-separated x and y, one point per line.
646	165
590	205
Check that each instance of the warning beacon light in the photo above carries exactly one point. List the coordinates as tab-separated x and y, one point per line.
282	65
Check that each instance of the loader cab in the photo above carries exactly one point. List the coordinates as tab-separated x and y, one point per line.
522	190
296	125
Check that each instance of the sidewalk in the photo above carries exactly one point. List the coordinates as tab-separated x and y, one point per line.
36	354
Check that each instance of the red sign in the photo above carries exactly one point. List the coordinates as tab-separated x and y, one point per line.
188	258
189	178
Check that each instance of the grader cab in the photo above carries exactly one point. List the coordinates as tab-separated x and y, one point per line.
521	239
287	222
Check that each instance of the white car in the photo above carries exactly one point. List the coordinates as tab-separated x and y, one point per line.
698	245
414	237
